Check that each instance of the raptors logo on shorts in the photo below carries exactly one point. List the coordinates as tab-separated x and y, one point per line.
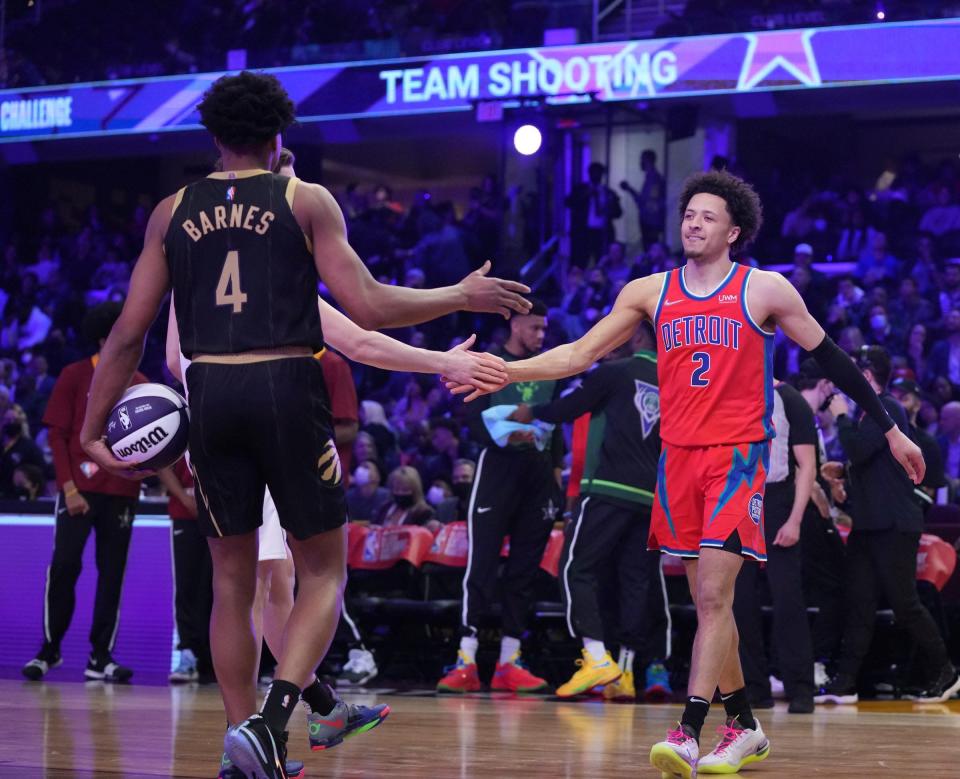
329	467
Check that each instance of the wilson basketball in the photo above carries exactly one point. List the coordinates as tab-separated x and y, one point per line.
149	426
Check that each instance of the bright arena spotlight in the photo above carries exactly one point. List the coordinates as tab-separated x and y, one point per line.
527	139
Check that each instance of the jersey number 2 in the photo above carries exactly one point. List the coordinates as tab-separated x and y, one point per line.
230	279
697	379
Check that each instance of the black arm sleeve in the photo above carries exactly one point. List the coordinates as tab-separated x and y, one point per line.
589	396
842	371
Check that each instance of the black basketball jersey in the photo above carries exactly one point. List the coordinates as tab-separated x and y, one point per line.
242	272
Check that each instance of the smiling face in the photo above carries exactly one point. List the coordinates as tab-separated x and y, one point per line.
707	231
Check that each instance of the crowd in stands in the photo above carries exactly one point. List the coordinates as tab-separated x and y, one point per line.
876	265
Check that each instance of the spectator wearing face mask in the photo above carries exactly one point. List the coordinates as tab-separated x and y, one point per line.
880	331
454	508
365	496
439	492
407	505
18	449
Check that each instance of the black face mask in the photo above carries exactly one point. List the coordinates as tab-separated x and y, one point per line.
403	501
462	490
12	429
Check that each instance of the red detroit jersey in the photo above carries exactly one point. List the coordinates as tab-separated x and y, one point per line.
715	364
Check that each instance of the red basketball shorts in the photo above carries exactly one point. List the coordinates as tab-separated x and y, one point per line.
704	494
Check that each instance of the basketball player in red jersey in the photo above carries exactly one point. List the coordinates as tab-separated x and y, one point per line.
715	321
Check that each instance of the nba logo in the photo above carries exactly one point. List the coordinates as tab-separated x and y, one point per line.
125	418
756	507
231	193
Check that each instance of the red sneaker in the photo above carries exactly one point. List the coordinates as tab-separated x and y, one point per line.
513	677
461	677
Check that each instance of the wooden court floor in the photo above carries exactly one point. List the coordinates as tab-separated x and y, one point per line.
65	730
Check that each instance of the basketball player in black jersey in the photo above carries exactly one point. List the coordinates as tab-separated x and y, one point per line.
242	250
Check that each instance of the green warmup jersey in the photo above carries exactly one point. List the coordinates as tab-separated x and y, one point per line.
242	271
623	445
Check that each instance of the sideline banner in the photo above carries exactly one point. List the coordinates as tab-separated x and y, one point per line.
632	70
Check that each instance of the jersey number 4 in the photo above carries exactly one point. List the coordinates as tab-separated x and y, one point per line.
228	288
699	379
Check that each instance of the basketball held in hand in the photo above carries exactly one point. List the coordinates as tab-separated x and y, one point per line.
149	427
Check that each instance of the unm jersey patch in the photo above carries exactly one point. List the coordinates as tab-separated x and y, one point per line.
756	507
647	401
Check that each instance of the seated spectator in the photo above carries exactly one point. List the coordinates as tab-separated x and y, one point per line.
615	264
18	449
407	506
28	482
24	327
443	451
373	422
948	437
454	509
950	286
851	340
851	298
876	263
942	218
439	492
945	354
909	308
881	331
365	495
925	270
854	236
916	352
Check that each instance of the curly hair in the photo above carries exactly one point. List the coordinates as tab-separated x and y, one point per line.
743	203
247	110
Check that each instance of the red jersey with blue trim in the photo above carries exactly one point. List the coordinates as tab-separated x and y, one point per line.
715	364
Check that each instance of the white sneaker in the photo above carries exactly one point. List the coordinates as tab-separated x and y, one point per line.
677	756
738	747
359	669
186	670
820	676
776	687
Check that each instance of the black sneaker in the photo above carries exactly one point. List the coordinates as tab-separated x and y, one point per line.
256	750
801	704
104	669
37	668
943	688
841	689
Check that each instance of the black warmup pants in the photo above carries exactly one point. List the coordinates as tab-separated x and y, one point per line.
193	576
791	629
609	538
111	519
824	572
886	560
514	494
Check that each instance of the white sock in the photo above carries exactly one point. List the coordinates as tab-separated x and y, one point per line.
468	645
595	649
509	646
626	659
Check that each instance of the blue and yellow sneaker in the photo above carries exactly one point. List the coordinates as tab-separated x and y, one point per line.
657	683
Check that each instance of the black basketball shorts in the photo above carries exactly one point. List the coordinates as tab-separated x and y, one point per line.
264	424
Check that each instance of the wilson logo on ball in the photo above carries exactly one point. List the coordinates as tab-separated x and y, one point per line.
145	444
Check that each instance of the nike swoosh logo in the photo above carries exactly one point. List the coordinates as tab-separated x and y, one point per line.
671	302
177	532
484	510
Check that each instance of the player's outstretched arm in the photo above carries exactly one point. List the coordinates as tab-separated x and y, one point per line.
373	305
771	296
381	351
121	353
636	301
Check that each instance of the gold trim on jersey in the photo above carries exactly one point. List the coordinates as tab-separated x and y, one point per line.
290	194
203	495
254	355
176	201
237	174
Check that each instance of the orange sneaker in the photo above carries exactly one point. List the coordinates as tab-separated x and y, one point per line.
513	677
461	677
